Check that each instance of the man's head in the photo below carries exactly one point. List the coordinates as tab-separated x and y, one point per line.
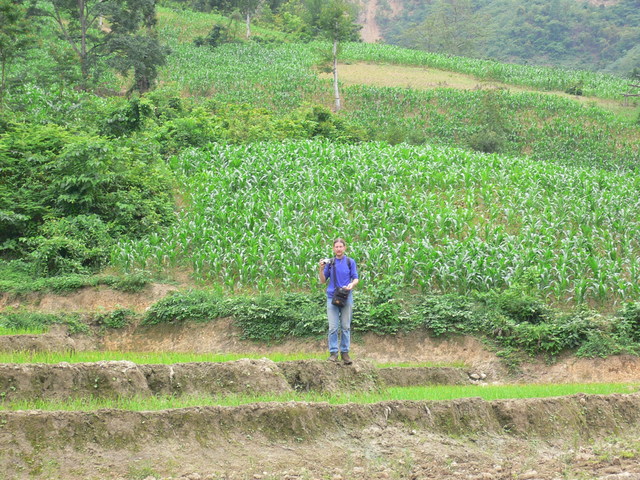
339	247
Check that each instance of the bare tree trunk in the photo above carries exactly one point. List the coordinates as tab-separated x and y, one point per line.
4	62
248	25
336	92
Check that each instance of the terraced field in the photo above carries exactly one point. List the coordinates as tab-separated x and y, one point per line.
253	418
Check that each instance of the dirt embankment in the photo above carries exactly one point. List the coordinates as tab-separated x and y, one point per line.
123	379
552	438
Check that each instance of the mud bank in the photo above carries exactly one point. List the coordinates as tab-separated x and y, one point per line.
115	379
280	438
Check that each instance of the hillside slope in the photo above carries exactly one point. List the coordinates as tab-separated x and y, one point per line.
576	34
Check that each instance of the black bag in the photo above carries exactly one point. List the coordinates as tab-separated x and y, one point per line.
340	296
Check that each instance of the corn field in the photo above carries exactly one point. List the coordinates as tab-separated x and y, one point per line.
281	77
439	219
593	84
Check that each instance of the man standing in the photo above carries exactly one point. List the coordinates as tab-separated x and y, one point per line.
341	272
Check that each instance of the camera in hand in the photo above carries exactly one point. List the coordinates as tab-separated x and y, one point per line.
324	261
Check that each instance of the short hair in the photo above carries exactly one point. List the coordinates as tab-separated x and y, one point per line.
340	240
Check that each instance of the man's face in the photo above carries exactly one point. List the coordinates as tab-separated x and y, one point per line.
338	249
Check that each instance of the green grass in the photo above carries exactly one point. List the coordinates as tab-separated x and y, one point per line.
424	393
422	364
22	331
166	358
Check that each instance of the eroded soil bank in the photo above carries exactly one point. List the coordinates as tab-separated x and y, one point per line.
123	379
570	437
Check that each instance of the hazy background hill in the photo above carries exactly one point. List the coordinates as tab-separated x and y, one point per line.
593	35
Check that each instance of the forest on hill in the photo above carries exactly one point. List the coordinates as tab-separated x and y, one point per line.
603	36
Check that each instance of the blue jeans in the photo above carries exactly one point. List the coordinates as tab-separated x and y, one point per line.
340	318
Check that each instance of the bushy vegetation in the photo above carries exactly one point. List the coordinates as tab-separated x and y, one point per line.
18	320
515	322
67	196
563	33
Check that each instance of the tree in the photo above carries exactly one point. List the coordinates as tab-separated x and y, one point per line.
134	48
451	27
248	8
141	53
337	23
97	29
15	37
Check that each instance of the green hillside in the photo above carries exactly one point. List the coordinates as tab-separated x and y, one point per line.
235	170
597	36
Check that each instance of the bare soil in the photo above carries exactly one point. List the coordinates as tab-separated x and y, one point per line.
575	437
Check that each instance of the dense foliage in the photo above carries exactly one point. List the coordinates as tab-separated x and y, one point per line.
516	323
565	33
67	196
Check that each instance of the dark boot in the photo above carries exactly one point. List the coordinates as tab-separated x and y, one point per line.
346	359
333	357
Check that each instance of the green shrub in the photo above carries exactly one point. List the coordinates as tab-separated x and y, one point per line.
197	129
381	309
270	317
66	196
77	244
629	321
486	140
217	36
131	283
125	117
119	318
190	305
22	320
444	314
602	344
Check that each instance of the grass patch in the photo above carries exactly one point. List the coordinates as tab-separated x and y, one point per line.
425	393
162	358
15	321
22	331
423	364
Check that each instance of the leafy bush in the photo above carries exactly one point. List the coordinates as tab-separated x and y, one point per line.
381	309
131	283
269	317
119	318
195	305
71	194
217	36
78	244
22	320
445	314
629	321
125	117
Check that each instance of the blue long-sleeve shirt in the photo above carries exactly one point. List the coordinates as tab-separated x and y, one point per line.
344	274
